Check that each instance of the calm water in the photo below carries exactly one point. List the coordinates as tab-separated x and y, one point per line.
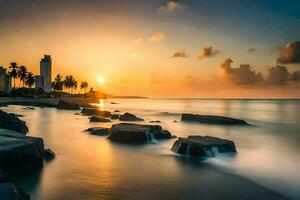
92	167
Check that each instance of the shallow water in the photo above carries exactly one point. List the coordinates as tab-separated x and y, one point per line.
92	167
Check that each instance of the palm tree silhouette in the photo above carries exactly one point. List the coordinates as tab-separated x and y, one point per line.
84	85
22	74
57	84
29	81
13	72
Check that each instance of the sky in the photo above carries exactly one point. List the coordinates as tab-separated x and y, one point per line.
161	48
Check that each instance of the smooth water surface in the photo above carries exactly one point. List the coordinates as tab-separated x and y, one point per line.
92	167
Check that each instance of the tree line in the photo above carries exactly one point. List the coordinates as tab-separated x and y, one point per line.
27	79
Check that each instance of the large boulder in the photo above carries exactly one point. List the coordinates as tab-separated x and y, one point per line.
18	150
129	117
101	131
212	119
203	146
127	132
9	191
67	105
12	122
99	119
49	154
95	111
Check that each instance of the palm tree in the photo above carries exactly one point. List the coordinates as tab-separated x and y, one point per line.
84	85
68	82
22	74
75	85
29	81
13	72
58	83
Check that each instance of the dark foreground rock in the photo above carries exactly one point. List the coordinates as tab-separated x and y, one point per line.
115	116
64	105
99	119
49	154
101	131
212	119
9	191
95	111
129	117
127	132
12	122
203	146
18	150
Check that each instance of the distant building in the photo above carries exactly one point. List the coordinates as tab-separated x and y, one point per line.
45	73
5	81
39	81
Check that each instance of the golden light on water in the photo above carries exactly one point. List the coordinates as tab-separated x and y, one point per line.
101	104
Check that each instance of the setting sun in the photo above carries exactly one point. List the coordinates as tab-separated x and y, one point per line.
101	80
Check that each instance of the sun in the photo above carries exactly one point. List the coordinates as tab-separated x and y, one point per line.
101	80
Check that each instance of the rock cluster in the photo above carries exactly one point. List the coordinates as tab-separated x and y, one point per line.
212	119
12	122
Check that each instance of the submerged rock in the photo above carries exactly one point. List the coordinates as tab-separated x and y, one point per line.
129	117
155	121
49	154
203	146
127	132
9	191
12	122
64	105
212	119
95	111
99	119
101	131
115	116
18	150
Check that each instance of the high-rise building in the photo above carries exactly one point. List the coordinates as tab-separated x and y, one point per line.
5	81
46	73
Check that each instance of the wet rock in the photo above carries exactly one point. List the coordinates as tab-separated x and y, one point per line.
117	111
99	119
127	132
12	122
95	111
129	117
17	150
212	119
64	105
101	131
115	116
113	102
29	108
49	154
9	191
155	121
203	146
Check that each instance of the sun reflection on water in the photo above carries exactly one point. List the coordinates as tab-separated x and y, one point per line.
101	104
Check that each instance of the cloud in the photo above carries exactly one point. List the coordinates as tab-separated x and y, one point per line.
241	75
207	52
277	75
180	54
290	53
251	50
157	37
295	76
137	41
171	6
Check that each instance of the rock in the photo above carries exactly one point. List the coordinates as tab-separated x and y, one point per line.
12	122
9	191
155	121
17	115
29	108
18	150
113	102
95	111
129	117
127	132
49	154
63	105
99	119
101	131
203	146
212	119
115	116
117	111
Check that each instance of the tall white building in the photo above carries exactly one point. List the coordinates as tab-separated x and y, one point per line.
46	73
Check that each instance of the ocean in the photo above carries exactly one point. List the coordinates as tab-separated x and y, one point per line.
92	167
